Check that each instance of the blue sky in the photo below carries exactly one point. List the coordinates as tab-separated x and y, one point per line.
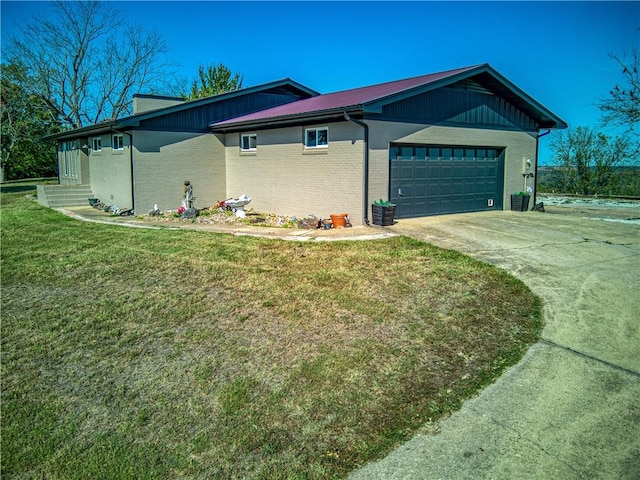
557	52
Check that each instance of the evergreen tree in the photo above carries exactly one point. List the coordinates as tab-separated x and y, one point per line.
213	80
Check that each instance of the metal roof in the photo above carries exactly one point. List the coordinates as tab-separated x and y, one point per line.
134	120
371	99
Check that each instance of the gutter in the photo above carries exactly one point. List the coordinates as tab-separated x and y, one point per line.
535	178
91	130
133	196
280	121
366	163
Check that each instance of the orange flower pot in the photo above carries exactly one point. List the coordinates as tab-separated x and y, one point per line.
339	220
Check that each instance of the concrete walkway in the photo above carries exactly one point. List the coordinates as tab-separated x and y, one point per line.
571	408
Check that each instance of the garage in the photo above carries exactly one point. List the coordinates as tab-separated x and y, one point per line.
442	179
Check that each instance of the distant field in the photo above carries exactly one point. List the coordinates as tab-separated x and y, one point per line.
626	182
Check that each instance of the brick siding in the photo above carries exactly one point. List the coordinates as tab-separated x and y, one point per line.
285	178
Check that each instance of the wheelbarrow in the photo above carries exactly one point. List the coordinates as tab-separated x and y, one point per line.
237	205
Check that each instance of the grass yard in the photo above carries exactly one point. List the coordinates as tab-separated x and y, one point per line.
162	354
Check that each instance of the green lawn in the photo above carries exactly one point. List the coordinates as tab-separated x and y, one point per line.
162	354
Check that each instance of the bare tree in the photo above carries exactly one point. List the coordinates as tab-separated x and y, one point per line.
587	160
622	106
85	63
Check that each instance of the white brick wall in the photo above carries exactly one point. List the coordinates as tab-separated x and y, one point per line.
111	174
285	178
164	160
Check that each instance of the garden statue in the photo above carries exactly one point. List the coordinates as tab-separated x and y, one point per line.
188	195
187	202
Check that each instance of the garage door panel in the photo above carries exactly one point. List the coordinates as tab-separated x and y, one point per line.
420	191
457	188
433	188
434	171
438	180
457	205
470	172
458	171
406	172
419	207
407	191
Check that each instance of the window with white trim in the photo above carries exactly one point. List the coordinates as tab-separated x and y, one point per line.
316	137
96	144
249	142
118	142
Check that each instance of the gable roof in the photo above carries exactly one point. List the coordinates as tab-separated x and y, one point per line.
134	120
371	99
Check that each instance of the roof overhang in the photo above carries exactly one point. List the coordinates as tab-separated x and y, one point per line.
100	128
288	120
134	120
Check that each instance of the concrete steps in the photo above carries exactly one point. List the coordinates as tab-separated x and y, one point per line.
64	195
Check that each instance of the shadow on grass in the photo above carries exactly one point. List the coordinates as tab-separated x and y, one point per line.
26	185
17	188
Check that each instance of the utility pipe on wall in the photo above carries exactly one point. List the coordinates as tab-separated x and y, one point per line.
366	163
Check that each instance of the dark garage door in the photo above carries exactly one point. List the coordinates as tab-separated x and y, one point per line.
436	180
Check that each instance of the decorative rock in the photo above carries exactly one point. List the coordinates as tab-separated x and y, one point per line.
190	213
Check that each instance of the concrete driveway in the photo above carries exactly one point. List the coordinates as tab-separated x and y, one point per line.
571	408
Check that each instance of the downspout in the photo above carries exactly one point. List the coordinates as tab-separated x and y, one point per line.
133	196
366	163
535	178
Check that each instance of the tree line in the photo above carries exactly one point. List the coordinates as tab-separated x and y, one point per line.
52	80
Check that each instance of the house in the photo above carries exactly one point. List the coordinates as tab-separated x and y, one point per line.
456	141
142	160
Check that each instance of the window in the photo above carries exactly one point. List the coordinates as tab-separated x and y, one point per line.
69	153
316	137
249	142
118	142
97	144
